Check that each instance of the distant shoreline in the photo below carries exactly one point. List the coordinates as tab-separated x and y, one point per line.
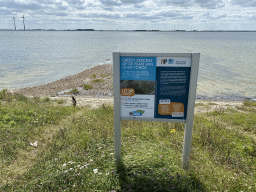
93	30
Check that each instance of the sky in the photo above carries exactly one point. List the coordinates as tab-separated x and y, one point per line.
129	14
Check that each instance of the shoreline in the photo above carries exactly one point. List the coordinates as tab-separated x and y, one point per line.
101	79
60	87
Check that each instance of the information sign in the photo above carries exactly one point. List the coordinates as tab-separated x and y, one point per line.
155	87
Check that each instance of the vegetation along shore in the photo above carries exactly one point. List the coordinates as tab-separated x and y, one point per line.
49	145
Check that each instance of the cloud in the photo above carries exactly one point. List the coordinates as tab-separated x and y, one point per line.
181	3
110	3
21	6
210	4
101	15
244	3
132	1
214	16
141	16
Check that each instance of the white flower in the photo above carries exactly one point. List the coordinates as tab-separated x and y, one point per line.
81	167
95	171
111	153
78	166
100	148
70	162
100	173
71	169
107	173
74	185
65	164
91	160
66	171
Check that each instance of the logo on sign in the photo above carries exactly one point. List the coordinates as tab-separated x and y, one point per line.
170	61
127	92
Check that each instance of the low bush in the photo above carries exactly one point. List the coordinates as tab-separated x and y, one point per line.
86	87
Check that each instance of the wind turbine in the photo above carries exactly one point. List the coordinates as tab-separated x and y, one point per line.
14	22
23	21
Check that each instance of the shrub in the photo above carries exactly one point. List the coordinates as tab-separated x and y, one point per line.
86	87
60	101
97	80
74	91
93	76
46	99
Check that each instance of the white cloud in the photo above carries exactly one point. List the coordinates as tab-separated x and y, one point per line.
149	13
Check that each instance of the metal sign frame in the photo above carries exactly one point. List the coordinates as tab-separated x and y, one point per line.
190	107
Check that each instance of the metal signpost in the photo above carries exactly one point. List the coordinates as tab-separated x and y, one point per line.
155	87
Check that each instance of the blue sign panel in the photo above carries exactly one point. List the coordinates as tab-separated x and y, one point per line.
172	87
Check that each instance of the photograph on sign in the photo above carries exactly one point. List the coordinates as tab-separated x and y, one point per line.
154	87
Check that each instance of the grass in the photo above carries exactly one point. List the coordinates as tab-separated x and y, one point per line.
98	80
79	156
87	87
74	91
61	101
93	76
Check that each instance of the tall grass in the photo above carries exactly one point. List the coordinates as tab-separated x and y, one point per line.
80	155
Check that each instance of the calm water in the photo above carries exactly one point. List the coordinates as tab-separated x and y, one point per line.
227	60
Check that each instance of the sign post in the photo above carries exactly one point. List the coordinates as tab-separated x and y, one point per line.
155	87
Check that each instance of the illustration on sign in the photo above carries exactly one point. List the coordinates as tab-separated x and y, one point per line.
154	87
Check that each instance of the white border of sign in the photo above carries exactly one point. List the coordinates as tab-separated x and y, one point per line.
190	108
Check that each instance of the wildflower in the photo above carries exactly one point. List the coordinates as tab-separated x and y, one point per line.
95	171
100	148
111	153
164	168
100	173
71	169
173	131
81	167
78	166
161	156
86	154
64	164
65	171
91	160
77	174
107	173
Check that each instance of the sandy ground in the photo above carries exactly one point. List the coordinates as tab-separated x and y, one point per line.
202	106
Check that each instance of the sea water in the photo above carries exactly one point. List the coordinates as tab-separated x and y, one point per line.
227	67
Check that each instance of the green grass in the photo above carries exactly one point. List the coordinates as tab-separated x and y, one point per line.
87	87
80	154
199	104
74	91
93	76
61	101
98	80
